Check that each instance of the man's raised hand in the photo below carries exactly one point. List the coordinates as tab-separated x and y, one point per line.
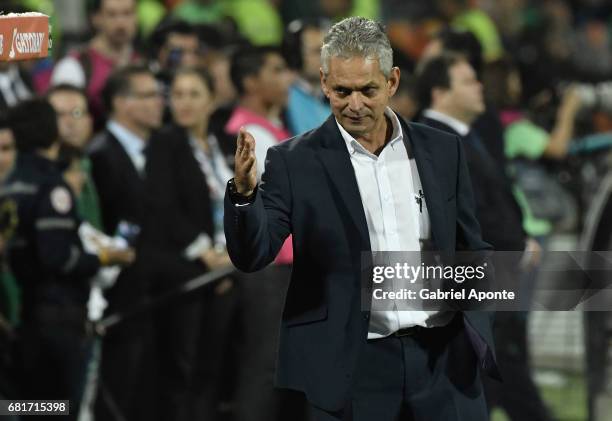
245	175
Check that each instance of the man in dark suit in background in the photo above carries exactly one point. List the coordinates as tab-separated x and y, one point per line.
133	97
343	190
453	100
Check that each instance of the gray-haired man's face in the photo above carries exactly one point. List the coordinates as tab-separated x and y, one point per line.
358	93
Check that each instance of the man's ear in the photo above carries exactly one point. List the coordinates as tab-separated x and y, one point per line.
324	87
438	95
118	102
393	81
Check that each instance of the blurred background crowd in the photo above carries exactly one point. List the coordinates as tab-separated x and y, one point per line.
137	108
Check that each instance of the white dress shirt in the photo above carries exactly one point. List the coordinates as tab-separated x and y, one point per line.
389	185
133	145
457	125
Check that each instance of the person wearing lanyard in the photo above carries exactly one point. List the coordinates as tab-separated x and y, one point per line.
185	181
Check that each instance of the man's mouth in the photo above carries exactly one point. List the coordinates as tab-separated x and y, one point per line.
355	118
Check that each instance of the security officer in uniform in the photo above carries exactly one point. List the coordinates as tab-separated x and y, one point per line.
48	261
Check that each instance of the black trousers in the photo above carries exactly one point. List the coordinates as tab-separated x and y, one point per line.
262	295
52	356
126	387
429	376
191	334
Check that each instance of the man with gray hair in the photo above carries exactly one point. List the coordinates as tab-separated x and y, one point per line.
364	181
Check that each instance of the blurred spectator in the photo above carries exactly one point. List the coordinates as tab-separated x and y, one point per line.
15	85
487	125
219	69
457	41
257	20
453	100
262	80
261	77
150	13
176	45
592	50
49	262
526	141
133	96
118	163
339	9
335	9
217	43
448	87
410	24
201	11
111	47
186	177
522	137
75	129
307	107
462	15
510	17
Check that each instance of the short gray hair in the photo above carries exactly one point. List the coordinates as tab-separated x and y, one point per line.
357	37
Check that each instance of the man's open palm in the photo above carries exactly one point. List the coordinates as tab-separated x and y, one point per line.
246	164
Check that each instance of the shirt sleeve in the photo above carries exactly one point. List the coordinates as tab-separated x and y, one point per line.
525	139
58	243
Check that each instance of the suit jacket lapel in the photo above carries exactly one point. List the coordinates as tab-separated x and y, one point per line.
336	160
337	163
433	196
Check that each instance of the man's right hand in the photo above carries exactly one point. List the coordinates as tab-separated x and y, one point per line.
245	172
113	256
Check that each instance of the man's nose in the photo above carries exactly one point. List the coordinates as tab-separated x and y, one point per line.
355	101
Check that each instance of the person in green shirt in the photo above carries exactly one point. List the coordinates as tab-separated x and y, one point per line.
525	139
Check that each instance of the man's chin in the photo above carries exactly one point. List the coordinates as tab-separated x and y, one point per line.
352	127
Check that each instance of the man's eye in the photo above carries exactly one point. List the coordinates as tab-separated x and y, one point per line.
369	91
342	91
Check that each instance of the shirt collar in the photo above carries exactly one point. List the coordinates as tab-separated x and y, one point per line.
132	144
353	145
458	126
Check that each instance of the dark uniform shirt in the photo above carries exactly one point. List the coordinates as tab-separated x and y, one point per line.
44	249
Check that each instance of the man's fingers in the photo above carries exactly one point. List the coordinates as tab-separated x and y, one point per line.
244	140
246	165
245	145
240	139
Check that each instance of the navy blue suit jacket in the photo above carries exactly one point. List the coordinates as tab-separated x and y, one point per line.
309	190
